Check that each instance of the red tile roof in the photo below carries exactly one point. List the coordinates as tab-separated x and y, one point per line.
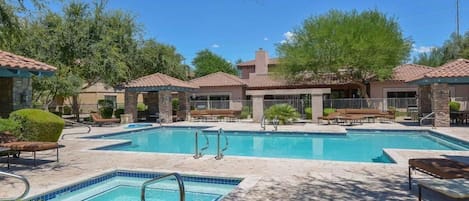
268	81
10	60
158	80
407	72
453	69
272	61
218	79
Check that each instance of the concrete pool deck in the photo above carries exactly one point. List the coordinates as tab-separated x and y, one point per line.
265	178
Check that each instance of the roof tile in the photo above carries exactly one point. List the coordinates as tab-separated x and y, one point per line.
218	79
158	80
10	60
407	72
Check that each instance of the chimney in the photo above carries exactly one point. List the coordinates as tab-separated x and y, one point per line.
262	60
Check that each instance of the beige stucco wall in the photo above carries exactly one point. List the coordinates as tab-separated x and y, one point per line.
236	93
380	89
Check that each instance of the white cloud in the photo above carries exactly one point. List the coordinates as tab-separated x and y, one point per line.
422	49
265	38
215	46
289	37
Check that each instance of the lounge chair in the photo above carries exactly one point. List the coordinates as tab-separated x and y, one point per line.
27	146
98	119
440	168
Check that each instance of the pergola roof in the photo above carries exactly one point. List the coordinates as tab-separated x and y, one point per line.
159	82
218	79
12	65
454	72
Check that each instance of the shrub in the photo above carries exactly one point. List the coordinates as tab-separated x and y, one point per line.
328	111
105	103
67	110
106	112
118	112
175	104
454	106
8	125
284	112
141	107
309	113
245	112
37	125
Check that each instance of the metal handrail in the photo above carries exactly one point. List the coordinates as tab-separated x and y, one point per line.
23	179
78	123
220	151
263	122
428	116
198	153
182	191
275	122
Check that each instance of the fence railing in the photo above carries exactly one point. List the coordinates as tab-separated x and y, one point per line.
298	104
382	104
221	104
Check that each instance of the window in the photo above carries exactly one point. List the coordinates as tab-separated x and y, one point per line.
206	102
402	94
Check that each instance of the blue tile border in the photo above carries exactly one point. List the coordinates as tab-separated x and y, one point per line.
101	136
133	174
285	133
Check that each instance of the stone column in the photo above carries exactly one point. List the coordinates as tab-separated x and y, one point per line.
257	107
440	104
151	100
424	99
165	106
316	106
184	106
130	101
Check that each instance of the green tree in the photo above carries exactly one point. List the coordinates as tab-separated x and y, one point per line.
454	48
365	45
207	62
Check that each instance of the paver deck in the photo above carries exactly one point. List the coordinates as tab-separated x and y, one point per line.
266	179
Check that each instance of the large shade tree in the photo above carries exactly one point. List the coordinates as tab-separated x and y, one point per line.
365	45
207	62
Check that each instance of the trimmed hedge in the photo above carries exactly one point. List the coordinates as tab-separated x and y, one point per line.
309	113
106	112
37	125
118	113
8	125
327	111
454	106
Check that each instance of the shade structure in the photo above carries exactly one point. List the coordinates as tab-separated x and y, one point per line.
158	82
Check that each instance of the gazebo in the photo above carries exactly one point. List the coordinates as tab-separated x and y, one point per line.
158	88
15	81
434	89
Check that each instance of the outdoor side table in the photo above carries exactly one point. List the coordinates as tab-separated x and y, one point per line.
7	151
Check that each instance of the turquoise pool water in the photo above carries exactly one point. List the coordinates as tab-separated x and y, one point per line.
360	145
138	125
126	186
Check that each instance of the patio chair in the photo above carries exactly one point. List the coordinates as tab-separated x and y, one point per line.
27	146
440	168
99	120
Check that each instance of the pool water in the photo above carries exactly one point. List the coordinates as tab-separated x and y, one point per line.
121	186
138	125
359	146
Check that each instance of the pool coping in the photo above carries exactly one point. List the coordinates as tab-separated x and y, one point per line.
108	173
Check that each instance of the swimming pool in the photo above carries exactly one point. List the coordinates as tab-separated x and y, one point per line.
138	125
355	145
121	185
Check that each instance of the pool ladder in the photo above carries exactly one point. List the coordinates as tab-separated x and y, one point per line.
182	191
198	153
21	178
219	149
263	122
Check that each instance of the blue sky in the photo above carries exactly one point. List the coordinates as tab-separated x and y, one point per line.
235	29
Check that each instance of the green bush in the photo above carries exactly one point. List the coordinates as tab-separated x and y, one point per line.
141	107
284	112
454	106
37	125
245	112
118	113
105	103
309	113
106	112
8	125
328	111
67	110
175	104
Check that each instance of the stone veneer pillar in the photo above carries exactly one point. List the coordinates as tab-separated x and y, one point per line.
165	106
184	107
424	99
130	101
316	106
440	104
257	107
151	100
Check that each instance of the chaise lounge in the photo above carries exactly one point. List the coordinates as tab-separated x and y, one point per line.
99	120
10	142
